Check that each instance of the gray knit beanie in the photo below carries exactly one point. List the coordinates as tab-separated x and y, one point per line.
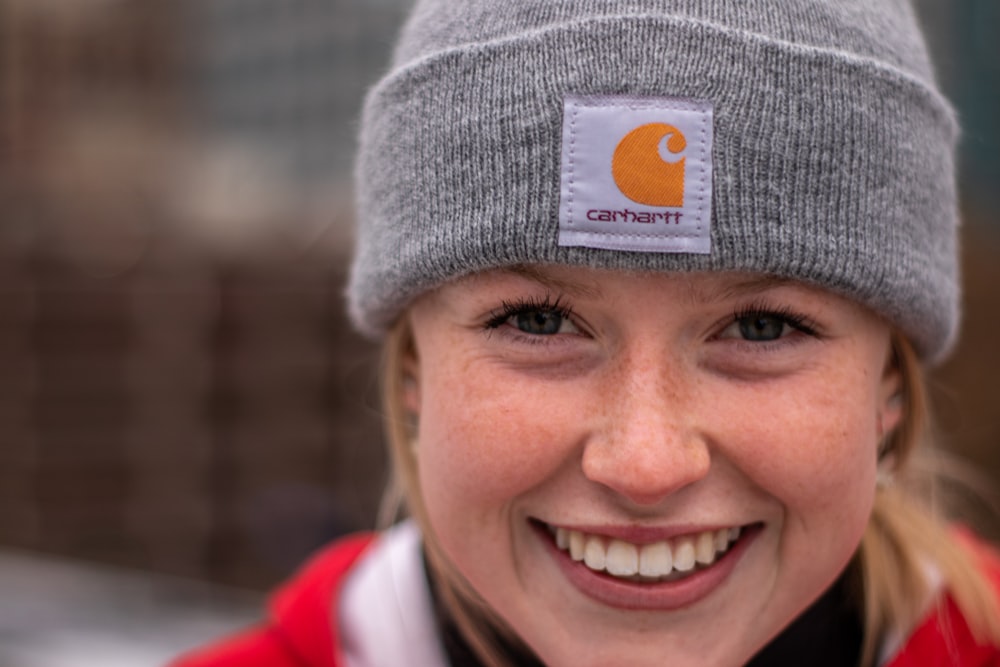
800	138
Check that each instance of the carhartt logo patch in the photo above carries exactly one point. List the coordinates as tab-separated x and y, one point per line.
636	174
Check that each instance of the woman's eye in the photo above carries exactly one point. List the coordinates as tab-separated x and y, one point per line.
543	317
761	328
758	326
542	322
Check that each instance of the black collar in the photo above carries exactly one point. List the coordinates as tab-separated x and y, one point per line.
827	634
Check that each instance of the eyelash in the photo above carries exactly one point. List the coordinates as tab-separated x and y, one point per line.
499	317
508	309
796	320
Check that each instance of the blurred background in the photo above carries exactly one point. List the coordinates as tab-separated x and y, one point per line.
184	412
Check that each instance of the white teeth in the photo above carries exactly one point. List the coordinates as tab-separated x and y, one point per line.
647	562
655	560
704	548
684	555
622	559
575	545
721	539
594	554
562	538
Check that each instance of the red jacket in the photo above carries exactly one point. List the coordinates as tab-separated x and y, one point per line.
302	633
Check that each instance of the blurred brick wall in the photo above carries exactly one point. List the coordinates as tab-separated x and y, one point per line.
214	420
966	388
180	390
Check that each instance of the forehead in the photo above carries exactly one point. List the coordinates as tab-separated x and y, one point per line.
589	282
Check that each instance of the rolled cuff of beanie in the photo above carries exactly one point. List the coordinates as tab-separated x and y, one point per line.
828	168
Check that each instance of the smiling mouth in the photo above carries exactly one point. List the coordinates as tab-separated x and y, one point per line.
665	560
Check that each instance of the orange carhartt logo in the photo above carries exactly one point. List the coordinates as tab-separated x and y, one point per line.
636	174
640	170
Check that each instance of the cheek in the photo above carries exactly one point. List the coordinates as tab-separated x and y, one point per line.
488	437
813	447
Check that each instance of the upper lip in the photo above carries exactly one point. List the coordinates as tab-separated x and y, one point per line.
637	534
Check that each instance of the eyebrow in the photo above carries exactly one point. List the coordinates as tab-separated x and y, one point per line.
539	275
698	293
740	288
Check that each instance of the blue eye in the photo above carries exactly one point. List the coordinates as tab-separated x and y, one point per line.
759	324
538	322
762	327
533	317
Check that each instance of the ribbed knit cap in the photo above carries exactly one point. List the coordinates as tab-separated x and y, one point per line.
832	158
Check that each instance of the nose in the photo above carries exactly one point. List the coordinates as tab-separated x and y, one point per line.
648	443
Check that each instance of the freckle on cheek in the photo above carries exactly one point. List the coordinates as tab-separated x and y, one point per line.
485	466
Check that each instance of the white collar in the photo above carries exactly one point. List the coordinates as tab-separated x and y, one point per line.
385	611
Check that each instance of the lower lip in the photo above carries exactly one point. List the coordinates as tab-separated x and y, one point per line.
660	596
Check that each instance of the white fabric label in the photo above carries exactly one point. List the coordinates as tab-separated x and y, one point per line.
636	174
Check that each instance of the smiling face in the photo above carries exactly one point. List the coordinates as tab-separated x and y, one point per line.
627	466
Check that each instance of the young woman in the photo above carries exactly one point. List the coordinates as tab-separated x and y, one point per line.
657	281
